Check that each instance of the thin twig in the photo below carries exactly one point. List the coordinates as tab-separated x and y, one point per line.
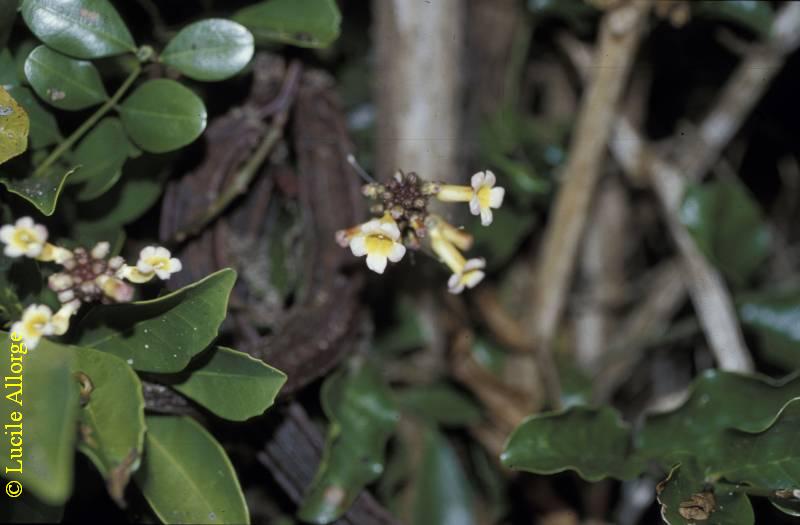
741	92
241	181
620	32
709	294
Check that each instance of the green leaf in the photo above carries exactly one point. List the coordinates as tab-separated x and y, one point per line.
775	316
161	335
125	202
557	441
79	28
64	82
44	128
752	14
313	23
249	384
14	127
362	417
101	155
685	498
718	400
766	458
439	403
162	115
186	476
728	227
41	191
443	495
49	414
209	50
112	422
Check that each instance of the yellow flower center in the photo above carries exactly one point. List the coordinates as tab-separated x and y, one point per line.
36	323
379	244
23	237
158	262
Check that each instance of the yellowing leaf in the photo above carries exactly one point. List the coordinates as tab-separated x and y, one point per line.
14	127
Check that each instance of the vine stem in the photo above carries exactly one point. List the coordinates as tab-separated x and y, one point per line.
87	125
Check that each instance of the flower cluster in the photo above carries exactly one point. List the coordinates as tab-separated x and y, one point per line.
404	222
86	276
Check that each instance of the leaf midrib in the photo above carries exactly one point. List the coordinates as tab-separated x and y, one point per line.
68	80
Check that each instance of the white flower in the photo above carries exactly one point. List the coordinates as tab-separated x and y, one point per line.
377	239
159	260
471	274
61	319
23	238
485	196
36	322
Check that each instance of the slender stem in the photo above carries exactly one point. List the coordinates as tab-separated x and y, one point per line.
240	181
87	125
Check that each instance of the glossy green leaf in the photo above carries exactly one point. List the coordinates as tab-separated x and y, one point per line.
43	126
49	413
755	15
162	115
439	403
767	458
137	192
250	385
718	400
557	441
209	50
442	493
79	28
362	417
728	227
161	335
30	509
14	127
101	155
186	476
312	23
64	82
685	498
112	422
41	191
775	316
